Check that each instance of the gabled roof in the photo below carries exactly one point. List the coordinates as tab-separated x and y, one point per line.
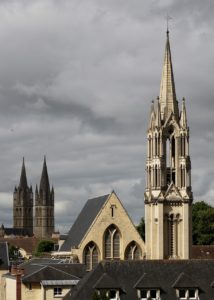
48	273
83	222
37	264
148	280
184	281
4	257
107	282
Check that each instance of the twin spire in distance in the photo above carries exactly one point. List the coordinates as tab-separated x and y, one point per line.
35	216
44	181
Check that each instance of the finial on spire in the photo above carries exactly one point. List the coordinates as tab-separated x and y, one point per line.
168	18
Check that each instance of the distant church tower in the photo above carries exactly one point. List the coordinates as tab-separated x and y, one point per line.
44	207
168	194
23	204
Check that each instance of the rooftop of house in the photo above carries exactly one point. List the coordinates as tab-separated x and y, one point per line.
38	269
130	276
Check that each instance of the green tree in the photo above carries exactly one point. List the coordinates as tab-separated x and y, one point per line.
44	246
141	228
202	223
13	252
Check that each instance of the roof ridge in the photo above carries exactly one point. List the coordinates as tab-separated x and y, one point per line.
52	267
26	276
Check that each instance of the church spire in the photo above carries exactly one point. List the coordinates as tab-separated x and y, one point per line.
168	102
23	177
44	182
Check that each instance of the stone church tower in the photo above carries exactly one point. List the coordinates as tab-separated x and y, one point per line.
23	204
44	207
168	194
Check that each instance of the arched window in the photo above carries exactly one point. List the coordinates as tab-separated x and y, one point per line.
112	243
133	251
91	256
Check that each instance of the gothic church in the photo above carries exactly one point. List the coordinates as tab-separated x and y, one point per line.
29	218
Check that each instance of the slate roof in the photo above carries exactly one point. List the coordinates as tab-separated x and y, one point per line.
83	222
35	268
48	273
4	257
129	274
184	281
106	282
16	231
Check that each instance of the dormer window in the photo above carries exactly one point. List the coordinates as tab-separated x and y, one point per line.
188	294
113	295
151	294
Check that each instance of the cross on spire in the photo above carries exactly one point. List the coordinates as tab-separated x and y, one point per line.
168	18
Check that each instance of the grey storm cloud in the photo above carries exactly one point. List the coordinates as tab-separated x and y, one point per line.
76	81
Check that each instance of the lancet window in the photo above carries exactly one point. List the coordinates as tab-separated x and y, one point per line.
112	243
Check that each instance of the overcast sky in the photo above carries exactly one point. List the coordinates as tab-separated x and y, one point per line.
76	82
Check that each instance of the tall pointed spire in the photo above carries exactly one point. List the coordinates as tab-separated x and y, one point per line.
44	182
23	177
168	102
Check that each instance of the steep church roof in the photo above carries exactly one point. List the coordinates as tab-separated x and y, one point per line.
83	222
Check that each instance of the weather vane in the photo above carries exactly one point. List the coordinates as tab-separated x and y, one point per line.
168	18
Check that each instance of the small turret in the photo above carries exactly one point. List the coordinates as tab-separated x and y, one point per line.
152	115
158	115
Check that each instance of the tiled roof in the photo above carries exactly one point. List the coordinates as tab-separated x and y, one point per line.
48	273
35	265
129	274
83	222
185	281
